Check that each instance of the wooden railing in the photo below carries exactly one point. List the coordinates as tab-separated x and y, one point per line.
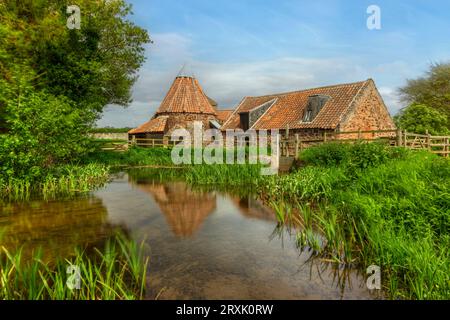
152	142
293	145
435	144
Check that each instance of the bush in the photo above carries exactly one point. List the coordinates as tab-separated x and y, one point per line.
327	154
353	156
43	130
419	118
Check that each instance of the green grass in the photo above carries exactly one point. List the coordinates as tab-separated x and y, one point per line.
59	180
358	204
116	272
374	205
216	174
133	157
110	130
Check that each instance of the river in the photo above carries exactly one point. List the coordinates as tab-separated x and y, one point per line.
202	244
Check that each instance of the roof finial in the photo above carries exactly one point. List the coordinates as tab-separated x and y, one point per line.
185	72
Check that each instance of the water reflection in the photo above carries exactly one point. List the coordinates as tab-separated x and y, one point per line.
184	209
253	208
203	244
57	227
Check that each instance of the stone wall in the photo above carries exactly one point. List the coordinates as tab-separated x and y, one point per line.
111	136
186	121
369	114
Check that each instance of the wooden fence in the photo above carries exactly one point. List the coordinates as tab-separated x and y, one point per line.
292	146
152	142
435	144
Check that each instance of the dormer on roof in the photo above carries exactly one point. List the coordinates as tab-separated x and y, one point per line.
315	104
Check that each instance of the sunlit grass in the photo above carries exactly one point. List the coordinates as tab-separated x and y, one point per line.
116	272
393	212
60	180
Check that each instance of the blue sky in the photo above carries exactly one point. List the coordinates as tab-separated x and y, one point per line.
238	48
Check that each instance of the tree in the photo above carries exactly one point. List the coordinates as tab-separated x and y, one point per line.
419	118
44	130
54	82
432	90
94	66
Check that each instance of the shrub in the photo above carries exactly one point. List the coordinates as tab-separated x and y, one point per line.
327	154
354	156
43	130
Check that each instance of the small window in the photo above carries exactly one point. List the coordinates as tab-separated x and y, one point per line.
244	120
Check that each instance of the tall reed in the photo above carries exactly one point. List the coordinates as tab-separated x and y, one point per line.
59	180
116	272
393	211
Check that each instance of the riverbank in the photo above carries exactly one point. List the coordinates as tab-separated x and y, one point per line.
370	205
373	205
58	180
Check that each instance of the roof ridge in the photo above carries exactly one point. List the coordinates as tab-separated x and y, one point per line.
274	101
308	89
233	111
186	95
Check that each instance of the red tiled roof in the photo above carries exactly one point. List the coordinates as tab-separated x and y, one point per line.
288	108
186	96
156	125
223	115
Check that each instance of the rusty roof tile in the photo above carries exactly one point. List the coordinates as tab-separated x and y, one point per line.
289	108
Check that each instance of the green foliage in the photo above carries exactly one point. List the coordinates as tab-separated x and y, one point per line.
116	272
110	130
224	174
419	118
93	66
432	90
44	130
54	82
356	156
394	213
135	156
310	183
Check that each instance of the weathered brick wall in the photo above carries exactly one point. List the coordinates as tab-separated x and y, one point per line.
186	121
369	114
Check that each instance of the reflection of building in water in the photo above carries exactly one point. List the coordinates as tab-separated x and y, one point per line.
57	227
253	208
184	209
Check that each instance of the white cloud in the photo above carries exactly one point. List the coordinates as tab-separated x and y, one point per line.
170	47
136	114
228	83
391	99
